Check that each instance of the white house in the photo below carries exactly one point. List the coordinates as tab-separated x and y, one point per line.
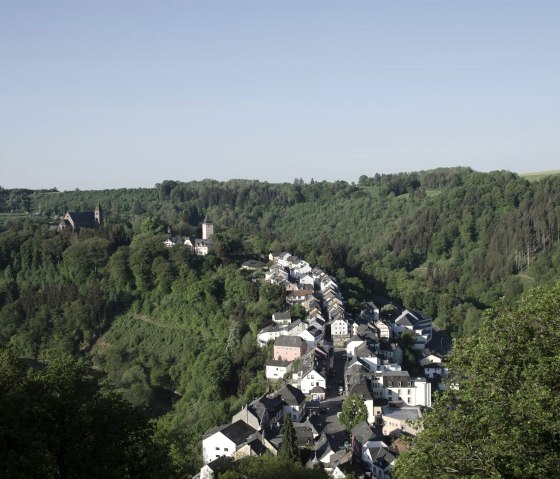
225	440
355	342
311	336
300	269
199	246
312	378
380	461
277	369
172	241
340	329
413	321
270	333
306	282
298	296
282	318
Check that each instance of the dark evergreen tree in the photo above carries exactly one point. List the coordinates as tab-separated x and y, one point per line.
288	450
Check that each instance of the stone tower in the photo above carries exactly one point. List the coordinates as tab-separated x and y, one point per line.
207	228
98	215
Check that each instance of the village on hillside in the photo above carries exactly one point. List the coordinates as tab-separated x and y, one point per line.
318	362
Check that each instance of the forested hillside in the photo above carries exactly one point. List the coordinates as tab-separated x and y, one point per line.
449	242
146	315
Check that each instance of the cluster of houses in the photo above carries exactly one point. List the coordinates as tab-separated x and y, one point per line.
197	246
303	368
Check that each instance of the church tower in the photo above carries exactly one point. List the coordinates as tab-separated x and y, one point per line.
98	215
207	228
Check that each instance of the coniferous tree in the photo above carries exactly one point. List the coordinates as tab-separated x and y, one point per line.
288	450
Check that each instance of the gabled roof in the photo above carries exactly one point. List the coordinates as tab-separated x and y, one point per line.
362	390
382	457
282	315
291	395
83	219
293	325
271	328
238	432
265	404
277	363
409	413
363	432
289	341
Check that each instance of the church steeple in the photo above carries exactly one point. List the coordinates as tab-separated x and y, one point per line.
98	215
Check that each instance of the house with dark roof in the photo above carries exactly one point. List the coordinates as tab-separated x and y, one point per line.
294	402
269	333
83	219
226	440
313	371
379	459
264	414
417	323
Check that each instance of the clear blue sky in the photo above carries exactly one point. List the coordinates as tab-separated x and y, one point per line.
103	94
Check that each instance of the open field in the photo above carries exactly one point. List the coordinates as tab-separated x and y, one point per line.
536	176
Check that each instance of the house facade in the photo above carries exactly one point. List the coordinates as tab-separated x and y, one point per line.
289	348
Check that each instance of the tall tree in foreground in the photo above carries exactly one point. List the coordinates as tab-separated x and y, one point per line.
354	411
288	450
58	422
501	418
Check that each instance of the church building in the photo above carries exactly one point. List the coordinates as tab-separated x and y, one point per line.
82	219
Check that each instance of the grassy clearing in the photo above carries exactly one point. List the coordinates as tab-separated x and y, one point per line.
536	176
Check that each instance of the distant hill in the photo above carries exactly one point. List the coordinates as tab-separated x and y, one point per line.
536	176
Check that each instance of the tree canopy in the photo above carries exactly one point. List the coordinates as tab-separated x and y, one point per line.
57	421
354	411
499	415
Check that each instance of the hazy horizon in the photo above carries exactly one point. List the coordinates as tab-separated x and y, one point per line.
100	95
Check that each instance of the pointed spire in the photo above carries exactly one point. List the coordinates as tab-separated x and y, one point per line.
207	219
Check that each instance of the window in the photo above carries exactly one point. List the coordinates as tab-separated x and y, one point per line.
225	449
217	449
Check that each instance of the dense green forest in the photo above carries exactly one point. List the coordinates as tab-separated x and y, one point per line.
144	314
450	242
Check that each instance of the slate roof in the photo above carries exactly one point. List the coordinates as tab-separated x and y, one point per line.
363	432
409	413
289	341
238	432
362	389
265	404
291	395
277	362
271	328
282	315
381	457
83	219
393	378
